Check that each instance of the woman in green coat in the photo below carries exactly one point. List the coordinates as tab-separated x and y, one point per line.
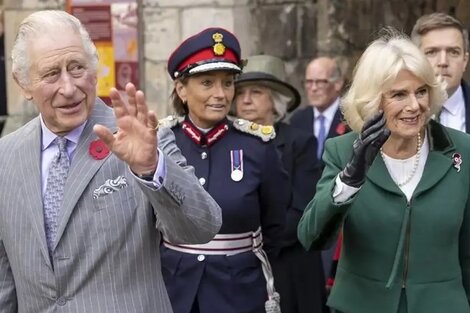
399	187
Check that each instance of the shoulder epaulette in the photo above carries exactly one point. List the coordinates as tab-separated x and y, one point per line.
265	132
169	121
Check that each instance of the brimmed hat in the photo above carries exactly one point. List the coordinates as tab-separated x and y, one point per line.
210	50
269	71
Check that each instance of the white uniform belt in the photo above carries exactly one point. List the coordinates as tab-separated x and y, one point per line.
222	244
230	244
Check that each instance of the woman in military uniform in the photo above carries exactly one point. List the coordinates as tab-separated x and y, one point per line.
238	165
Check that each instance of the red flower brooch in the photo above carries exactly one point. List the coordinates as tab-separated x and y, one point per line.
98	149
341	128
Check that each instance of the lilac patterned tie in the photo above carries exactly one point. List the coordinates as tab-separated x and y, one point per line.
54	194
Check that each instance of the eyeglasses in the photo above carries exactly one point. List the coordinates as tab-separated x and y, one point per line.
321	83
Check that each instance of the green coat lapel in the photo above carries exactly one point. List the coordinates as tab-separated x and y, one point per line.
438	163
439	160
378	174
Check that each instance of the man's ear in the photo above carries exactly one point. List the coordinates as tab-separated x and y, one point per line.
465	57
24	89
180	89
339	85
95	79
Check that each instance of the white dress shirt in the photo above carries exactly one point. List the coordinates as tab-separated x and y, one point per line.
329	115
453	111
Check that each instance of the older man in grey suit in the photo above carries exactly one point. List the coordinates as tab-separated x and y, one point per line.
84	191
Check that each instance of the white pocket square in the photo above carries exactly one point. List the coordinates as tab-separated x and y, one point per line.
110	186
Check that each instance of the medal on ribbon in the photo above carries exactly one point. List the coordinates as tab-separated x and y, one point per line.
236	160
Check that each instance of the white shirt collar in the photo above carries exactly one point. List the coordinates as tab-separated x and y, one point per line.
455	101
329	113
48	136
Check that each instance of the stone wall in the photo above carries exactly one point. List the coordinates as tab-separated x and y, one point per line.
295	30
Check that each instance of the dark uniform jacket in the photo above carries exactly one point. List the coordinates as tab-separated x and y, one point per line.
391	245
220	283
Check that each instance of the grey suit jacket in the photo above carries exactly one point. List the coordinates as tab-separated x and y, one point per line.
106	257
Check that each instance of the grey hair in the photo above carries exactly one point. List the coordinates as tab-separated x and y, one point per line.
280	102
41	23
336	73
376	71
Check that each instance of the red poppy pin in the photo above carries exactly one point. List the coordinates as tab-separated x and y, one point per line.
457	160
98	150
341	128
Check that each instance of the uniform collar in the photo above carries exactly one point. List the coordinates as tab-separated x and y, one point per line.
204	139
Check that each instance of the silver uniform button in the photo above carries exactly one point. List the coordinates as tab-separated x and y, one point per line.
202	181
204	155
201	257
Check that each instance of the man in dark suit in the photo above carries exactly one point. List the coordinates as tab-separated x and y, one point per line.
85	190
445	42
322	116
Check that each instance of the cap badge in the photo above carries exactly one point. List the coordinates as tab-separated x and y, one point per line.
218	47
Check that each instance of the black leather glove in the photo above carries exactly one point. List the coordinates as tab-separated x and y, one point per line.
365	148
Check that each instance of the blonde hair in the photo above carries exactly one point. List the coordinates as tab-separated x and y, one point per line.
376	71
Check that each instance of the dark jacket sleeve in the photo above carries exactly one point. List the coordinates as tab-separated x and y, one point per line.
275	194
304	173
322	219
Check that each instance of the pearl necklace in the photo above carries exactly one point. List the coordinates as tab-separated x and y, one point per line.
415	164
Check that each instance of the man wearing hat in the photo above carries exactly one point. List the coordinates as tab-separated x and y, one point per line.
263	96
237	163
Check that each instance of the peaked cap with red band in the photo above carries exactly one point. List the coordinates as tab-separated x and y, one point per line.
210	50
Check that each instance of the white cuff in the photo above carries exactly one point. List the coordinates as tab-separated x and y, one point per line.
343	192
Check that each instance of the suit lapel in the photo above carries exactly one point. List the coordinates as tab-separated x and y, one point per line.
29	154
466	99
334	124
283	146
83	166
306	120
